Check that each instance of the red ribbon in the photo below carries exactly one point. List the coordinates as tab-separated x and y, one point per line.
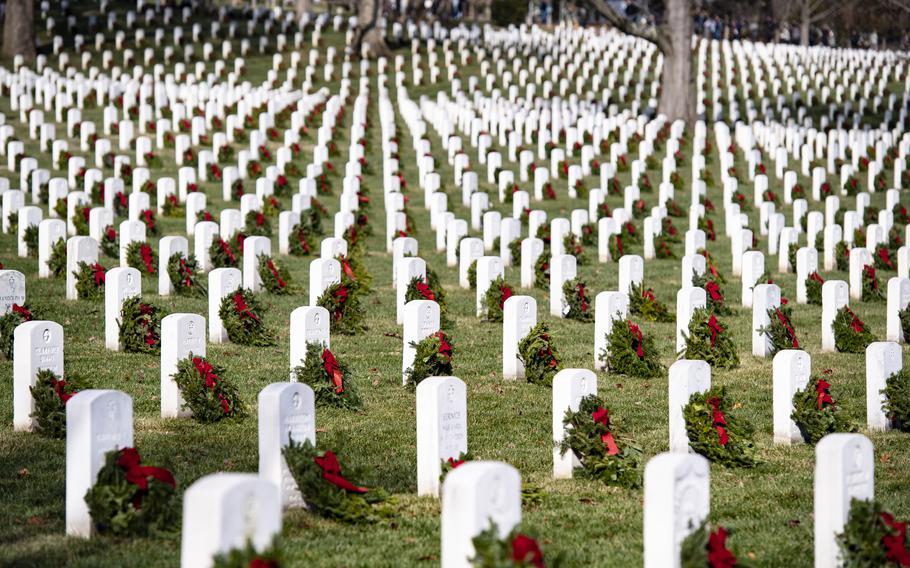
146	252
581	296
333	370
785	321
22	312
445	349
331	472
454	463
121	197
883	256
619	245
602	416
719	421
260	219
824	396
505	293
817	278
714	291
715	328
894	543
186	273
301	237
718	555
241	308
425	291
59	387
207	372
526	550
637	340
226	248
99	274
138	474
855	323
274	271
346	267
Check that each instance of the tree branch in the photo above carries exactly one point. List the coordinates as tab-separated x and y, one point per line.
654	34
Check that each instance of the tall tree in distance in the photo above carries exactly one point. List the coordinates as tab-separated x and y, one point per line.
19	29
369	40
810	12
668	25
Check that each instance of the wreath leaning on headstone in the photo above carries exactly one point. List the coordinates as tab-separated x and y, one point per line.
539	356
516	550
707	340
704	548
185	276
897	400
715	294
814	284
131	499
716	433
329	377
90	280
642	302
575	293
110	242
604	455
815	412
780	329
8	324
57	260
206	392
241	314
342	300
275	277
872	289
542	271
328	492
250	557
872	537
630	352
432	358
850	333
495	297
141	256
140	326
50	394
222	254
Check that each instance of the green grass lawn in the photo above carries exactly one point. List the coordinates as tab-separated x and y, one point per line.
769	508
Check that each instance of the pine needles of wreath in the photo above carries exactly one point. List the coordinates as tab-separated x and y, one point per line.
342	300
604	455
249	557
318	372
630	352
515	550
206	392
780	330
432	358
90	279
276	278
140	326
715	432
539	355
708	341
850	333
578	300
816	412
643	303
495	298
241	315
897	400
8	324
186	278
870	537
50	394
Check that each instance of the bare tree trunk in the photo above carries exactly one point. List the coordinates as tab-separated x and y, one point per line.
677	92
369	41
804	22
19	29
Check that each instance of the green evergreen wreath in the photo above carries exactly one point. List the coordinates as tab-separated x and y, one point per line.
140	326
872	537
8	324
328	493
872	290
57	260
842	256
616	247
249	557
716	433
662	247
342	300
241	314
642	302
791	255
300	241
449	465
575	292
495	298
904	315
222	254
472	275
711	267
516	550
141	256
275	277
185	276
257	224
590	436
704	548
897	400
589	234
31	240
110	242
850	333
433	358
50	394
542	271
329	377
572	246
883	259
708	341
630	352
539	355
816	414
814	284
206	392
90	280
780	331
353	268
130	499
715	294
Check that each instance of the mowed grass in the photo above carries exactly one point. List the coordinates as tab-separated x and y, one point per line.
769	508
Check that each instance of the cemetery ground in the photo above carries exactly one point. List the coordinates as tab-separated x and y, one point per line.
768	508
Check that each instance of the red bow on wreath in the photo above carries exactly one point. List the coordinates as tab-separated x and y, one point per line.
22	312
637	340
274	271
719	421
884	257
226	249
817	278
331	472
121	197
453	463
894	543
824	396
301	238
59	387
186	273
714	291
99	274
138	475
445	349
649	295
207	372
425	291
718	555
715	328
869	272
785	321
526	550
855	323
581	297
602	416
260	219
346	267
341	296
146	252
242	309
619	245
505	293
333	370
